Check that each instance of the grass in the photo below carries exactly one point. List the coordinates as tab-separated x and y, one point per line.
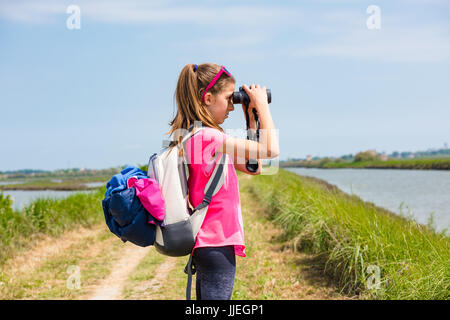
369	251
46	216
91	258
272	270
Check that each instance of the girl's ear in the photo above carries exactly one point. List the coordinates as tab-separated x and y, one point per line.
209	99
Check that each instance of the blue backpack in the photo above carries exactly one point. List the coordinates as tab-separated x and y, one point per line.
125	215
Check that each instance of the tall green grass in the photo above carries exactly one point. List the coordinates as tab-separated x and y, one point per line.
357	240
47	216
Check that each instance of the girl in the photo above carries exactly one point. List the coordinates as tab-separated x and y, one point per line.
204	93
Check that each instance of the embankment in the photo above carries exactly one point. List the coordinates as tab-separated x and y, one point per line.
368	250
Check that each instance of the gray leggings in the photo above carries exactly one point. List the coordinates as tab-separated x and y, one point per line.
216	267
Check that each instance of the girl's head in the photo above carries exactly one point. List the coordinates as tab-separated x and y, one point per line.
202	94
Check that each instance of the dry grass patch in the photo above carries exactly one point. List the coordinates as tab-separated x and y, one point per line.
93	254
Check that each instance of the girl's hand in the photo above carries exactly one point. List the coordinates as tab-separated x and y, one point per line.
258	97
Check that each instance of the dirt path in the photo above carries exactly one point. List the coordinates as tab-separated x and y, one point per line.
148	289
111	288
104	264
37	255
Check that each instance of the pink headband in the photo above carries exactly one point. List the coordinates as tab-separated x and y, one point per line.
214	80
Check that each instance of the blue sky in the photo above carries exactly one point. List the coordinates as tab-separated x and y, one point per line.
102	95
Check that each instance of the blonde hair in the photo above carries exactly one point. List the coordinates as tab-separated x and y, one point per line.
190	87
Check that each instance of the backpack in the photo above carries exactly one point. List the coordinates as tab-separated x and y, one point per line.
124	213
176	235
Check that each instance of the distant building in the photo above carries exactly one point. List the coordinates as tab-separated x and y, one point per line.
308	157
383	157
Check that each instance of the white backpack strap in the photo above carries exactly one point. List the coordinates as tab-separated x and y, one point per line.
190	134
212	187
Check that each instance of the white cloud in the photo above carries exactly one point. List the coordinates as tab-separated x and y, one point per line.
402	37
140	11
413	44
31	11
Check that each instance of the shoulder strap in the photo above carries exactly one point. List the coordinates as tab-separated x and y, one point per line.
169	143
189	269
212	187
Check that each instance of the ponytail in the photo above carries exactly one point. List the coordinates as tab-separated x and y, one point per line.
191	84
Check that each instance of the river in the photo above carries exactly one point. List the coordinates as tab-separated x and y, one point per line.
416	192
21	198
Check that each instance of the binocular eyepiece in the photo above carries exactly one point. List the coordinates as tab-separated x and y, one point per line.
242	97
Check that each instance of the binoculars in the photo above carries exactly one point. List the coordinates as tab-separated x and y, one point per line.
241	97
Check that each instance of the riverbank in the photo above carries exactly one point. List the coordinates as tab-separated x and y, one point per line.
415	164
73	184
417	194
368	250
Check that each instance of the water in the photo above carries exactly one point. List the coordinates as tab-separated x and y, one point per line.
416	192
21	198
95	184
3	183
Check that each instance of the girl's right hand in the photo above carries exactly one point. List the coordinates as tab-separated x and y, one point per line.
258	97
267	147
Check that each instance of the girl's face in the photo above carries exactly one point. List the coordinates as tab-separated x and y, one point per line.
221	104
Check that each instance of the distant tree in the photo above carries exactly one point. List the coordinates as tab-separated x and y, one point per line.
347	157
366	156
405	154
324	161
